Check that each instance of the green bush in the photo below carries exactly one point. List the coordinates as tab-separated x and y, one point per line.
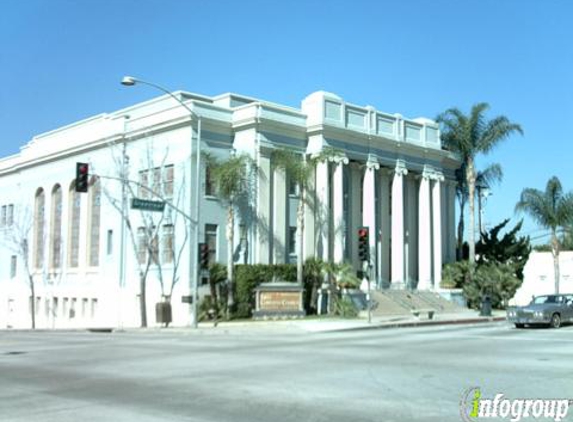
248	278
498	281
455	275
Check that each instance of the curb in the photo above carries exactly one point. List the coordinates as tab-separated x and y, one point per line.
373	326
411	324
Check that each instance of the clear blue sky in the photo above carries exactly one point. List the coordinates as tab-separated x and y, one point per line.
62	60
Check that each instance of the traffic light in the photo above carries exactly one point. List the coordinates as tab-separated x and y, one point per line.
203	256
82	176
363	244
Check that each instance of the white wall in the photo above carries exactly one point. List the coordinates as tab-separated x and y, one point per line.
539	276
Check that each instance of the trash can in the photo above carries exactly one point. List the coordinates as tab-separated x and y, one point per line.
163	312
485	306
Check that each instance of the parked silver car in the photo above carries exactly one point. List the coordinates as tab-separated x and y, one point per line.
548	310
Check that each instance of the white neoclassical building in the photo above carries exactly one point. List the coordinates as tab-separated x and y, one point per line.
391	174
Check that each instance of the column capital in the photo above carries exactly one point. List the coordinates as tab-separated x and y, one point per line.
400	169
438	176
431	173
330	155
427	172
372	163
339	159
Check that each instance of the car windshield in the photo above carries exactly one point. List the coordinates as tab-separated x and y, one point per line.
545	299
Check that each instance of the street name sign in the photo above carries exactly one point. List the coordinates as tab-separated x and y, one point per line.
147	205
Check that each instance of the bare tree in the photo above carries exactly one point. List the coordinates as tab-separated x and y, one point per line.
153	182
16	239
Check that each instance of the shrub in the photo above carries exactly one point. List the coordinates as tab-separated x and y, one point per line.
248	278
455	275
498	281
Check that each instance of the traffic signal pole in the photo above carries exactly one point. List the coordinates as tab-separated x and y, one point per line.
364	256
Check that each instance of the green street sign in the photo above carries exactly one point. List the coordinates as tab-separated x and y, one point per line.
146	205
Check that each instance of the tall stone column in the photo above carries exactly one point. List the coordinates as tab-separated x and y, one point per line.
262	248
339	225
369	204
355	215
309	231
424	232
398	223
279	232
451	222
385	226
321	211
437	226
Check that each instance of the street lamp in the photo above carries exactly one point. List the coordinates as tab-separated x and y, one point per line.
193	257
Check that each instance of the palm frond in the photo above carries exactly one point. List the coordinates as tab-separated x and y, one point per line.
490	175
231	176
496	130
550	208
476	123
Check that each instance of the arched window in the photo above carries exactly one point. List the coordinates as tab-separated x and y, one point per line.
56	228
39	216
74	207
94	224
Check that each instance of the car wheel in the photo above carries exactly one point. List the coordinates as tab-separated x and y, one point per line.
519	325
555	321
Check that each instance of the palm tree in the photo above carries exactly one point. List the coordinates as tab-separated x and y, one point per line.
468	136
552	210
484	178
231	179
300	170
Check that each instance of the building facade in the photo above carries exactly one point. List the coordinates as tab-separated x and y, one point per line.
389	173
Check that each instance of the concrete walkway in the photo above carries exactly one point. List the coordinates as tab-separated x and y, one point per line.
309	325
332	324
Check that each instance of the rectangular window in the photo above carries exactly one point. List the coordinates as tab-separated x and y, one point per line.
167	247
141	245
292	187
10	215
93	309
292	240
13	266
156	182
209	182
84	307
109	242
73	308
154	246
168	176
211	241
3	216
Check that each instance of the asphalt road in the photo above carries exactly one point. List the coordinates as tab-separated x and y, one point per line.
401	374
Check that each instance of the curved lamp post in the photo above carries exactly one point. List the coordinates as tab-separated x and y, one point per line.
193	258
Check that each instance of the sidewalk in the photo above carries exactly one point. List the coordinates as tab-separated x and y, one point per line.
331	324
